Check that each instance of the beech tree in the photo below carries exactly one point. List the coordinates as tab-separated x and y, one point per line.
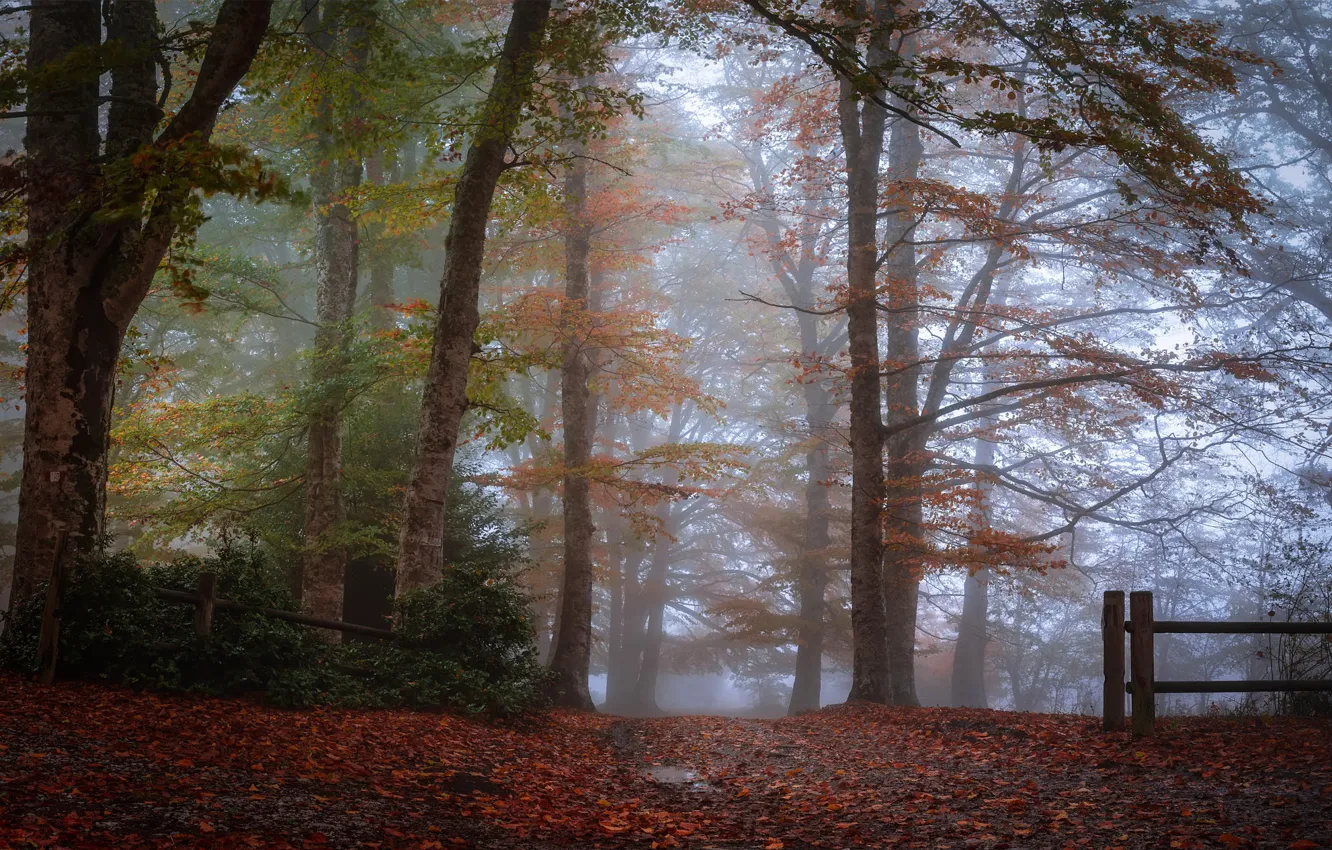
104	204
333	31
420	556
873	50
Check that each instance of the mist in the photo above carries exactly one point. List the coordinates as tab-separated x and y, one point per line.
783	386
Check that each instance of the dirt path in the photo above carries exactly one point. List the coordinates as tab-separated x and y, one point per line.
86	766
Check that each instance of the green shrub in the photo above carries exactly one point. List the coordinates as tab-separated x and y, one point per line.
467	646
110	625
468	641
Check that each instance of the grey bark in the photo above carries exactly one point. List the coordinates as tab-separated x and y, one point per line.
906	455
420	550
862	123
336	261
573	642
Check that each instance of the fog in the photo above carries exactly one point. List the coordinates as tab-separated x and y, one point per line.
1086	348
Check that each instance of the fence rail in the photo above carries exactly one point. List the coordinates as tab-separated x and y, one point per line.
1143	686
205	602
205	598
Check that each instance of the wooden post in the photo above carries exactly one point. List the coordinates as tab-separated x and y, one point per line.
1112	636
48	639
203	609
1141	657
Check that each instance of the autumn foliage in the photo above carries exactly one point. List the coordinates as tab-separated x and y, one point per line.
87	766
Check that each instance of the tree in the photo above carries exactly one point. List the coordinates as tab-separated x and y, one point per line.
873	51
572	650
98	227
420	557
334	31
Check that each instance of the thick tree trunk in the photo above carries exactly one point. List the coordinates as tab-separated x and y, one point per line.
573	643
906	459
420	551
88	274
862	124
68	404
336	260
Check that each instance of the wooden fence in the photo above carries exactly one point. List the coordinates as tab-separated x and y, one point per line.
1142	628
205	601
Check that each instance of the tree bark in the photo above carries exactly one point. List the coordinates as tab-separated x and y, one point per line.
420	550
573	643
625	662
862	123
88	273
336	260
906	454
813	579
968	682
380	288
969	655
654	593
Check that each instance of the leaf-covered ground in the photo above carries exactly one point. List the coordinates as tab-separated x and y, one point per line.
87	766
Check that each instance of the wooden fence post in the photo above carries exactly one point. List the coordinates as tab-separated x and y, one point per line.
1112	636
203	609
1141	656
48	639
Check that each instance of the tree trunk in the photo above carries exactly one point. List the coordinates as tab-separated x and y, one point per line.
380	288
654	592
862	124
573	644
622	672
969	654
907	459
420	550
973	631
88	273
813	579
336	261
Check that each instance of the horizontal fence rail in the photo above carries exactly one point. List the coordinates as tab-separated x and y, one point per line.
198	600
1205	627
1142	627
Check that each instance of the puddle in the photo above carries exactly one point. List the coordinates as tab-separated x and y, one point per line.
668	774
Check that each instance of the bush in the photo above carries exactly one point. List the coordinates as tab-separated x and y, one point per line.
468	643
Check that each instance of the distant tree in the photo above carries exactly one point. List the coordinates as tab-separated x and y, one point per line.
900	60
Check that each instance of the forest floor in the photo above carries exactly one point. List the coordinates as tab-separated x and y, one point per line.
85	766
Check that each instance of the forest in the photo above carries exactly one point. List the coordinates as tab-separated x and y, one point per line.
727	423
